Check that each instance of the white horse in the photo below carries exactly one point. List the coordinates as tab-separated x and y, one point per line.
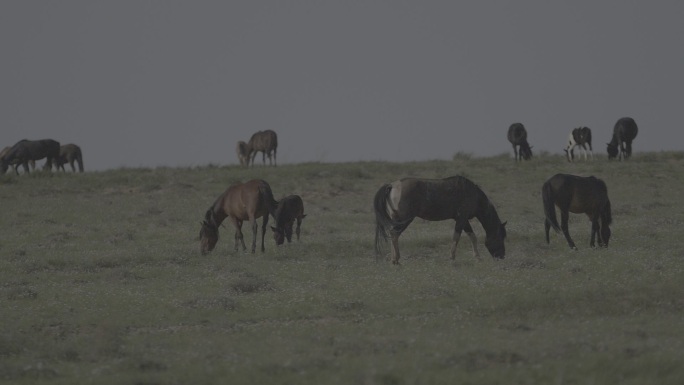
579	137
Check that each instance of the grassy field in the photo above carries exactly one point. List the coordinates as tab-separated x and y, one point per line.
102	281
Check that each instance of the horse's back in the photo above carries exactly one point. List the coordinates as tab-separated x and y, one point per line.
289	208
626	129
251	198
576	193
264	140
516	133
434	199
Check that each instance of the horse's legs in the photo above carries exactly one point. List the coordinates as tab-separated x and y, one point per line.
594	232
564	226
275	163
238	233
395	246
299	224
591	151
458	227
26	167
263	231
288	231
473	239
547	227
515	153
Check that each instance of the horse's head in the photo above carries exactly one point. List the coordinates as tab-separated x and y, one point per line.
278	235
208	237
612	150
495	242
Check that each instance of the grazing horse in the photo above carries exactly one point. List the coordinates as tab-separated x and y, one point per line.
457	198
25	151
264	141
16	163
241	202
70	153
242	153
624	132
517	135
576	194
579	137
289	209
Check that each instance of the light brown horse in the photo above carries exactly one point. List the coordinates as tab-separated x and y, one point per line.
70	153
289	210
262	141
241	202
457	198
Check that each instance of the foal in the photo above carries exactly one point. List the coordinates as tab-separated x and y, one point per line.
289	210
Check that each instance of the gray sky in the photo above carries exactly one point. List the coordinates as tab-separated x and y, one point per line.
178	83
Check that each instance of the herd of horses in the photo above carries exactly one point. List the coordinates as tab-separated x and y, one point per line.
620	145
27	152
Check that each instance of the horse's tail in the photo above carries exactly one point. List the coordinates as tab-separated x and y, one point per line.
266	192
549	208
79	159
382	218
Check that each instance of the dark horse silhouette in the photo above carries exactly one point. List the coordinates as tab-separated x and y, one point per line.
240	202
261	141
70	153
289	210
517	135
624	132
576	194
458	198
579	137
25	151
16	163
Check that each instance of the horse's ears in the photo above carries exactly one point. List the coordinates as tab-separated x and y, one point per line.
273	228
504	224
303	216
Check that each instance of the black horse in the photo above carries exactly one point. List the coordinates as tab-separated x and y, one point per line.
579	195
289	210
579	137
458	198
517	135
624	132
25	151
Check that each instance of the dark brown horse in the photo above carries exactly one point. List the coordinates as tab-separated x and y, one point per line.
579	195
624	132
457	198
579	137
25	151
15	163
241	202
289	210
517	135
70	153
262	141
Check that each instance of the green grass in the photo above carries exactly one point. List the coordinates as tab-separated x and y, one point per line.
101	281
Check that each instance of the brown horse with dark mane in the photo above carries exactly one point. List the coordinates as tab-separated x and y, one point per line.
289	210
70	153
25	151
241	202
262	141
457	198
579	195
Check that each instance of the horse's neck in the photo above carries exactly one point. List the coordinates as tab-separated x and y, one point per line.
487	215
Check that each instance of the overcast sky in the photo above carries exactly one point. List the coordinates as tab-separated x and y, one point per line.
178	83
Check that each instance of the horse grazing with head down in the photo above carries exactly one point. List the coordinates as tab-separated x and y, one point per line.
241	202
624	132
15	162
579	195
579	137
517	135
398	203
261	141
25	151
289	210
70	153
